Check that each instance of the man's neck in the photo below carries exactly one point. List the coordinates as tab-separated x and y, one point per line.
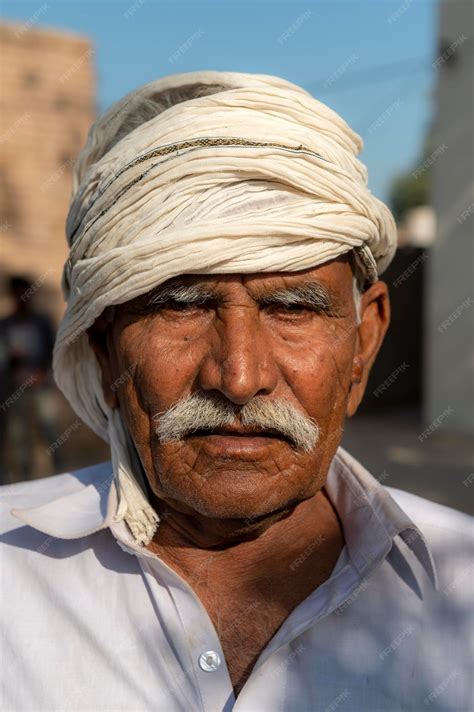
301	546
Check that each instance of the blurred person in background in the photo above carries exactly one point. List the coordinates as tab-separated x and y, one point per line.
28	415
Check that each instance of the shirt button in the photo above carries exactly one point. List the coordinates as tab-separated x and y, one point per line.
209	661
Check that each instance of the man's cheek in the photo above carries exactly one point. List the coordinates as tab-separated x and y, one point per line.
319	378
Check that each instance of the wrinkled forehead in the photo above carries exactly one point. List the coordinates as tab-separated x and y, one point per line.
335	273
334	270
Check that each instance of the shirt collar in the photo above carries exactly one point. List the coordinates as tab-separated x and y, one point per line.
372	519
370	516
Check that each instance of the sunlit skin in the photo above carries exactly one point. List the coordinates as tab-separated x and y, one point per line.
234	521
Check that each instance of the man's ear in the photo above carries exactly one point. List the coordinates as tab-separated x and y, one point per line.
375	318
98	339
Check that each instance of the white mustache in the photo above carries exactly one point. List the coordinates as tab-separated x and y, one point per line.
199	411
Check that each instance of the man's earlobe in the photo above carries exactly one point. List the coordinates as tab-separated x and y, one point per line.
97	335
375	318
357	370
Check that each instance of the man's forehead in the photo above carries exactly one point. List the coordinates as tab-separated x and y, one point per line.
329	274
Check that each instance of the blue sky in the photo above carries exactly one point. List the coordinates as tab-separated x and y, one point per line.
368	60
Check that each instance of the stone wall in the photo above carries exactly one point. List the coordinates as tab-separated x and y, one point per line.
47	103
449	298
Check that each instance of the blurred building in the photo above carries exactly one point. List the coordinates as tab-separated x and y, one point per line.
449	295
47	103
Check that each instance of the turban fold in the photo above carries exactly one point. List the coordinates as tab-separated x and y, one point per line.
256	177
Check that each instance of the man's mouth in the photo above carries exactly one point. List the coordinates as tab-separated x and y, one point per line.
239	432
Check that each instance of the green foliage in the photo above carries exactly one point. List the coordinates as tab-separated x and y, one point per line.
409	191
412	189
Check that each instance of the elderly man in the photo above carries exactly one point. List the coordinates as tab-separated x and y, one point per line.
223	314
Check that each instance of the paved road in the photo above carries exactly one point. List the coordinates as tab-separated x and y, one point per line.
440	468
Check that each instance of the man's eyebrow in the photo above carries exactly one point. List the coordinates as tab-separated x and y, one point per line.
312	294
179	291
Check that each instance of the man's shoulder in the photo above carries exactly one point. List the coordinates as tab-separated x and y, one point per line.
433	516
435	519
33	493
448	534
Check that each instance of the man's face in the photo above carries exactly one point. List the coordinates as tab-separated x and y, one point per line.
240	344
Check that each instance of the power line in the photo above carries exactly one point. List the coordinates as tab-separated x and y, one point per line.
369	75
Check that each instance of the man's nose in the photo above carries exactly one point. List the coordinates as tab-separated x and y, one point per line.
240	362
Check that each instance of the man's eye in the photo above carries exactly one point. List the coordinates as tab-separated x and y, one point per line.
178	306
291	308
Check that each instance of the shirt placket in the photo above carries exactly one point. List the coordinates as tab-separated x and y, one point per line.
198	647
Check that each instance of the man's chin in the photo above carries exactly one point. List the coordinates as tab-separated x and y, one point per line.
242	496
236	518
221	531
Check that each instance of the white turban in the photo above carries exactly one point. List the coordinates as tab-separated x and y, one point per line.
257	177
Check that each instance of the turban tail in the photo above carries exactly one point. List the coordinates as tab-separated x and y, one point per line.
259	177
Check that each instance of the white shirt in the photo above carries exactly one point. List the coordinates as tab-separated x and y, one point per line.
92	622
